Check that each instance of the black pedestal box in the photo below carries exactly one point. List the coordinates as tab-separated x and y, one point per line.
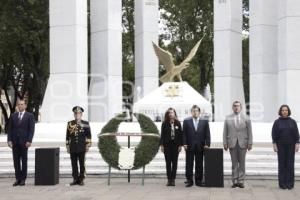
46	166
213	164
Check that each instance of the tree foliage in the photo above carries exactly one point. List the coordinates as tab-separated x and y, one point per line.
24	59
128	50
245	50
187	21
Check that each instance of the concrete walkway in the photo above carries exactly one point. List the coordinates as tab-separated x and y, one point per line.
154	189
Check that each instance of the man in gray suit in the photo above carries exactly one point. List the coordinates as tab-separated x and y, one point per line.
237	137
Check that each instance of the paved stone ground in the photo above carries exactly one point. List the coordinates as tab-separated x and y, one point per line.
154	189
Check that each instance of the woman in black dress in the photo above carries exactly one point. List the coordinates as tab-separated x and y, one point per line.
285	136
171	143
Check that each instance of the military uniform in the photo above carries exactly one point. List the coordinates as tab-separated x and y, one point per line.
78	140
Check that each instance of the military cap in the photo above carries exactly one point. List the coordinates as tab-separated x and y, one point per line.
77	109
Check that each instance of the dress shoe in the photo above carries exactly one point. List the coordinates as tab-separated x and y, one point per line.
234	185
81	183
240	185
282	187
16	183
200	184
75	182
172	183
290	187
22	183
169	183
189	184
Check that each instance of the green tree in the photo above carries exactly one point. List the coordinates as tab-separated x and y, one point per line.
24	52
245	50
187	21
128	49
246	68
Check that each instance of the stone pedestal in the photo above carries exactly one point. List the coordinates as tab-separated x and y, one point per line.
227	56
67	84
263	60
289	55
105	92
146	31
179	95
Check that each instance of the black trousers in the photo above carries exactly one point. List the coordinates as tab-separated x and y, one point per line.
20	156
75	157
191	155
286	162
171	157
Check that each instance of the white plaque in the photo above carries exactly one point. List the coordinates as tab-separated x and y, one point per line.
126	158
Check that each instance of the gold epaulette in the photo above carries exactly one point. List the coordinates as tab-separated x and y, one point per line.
72	128
88	142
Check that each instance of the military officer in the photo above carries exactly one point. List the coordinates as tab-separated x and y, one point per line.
78	142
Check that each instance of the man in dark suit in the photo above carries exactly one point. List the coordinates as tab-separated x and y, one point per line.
196	138
20	133
78	142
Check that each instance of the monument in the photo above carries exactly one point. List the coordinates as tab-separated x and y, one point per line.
263	60
146	18
274	72
167	60
228	80
68	81
288	22
105	91
179	95
274	58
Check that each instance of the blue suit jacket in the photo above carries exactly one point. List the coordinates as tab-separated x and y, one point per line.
194	138
23	131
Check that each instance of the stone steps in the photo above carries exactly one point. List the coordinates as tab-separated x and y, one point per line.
261	161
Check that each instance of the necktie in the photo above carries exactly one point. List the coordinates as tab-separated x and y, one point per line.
237	120
196	124
20	117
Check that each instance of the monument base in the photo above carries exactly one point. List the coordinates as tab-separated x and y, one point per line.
179	95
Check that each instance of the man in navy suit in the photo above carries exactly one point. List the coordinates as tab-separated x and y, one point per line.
196	138
19	138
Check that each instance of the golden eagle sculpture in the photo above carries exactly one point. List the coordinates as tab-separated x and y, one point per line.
167	60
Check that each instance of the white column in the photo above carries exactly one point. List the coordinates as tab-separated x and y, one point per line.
67	85
146	31
227	56
289	55
263	60
105	92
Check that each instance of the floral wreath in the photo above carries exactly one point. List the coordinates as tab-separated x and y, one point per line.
145	150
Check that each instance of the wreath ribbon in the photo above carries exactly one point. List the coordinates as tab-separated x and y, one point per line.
130	134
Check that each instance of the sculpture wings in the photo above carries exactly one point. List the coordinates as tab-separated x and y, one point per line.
167	60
